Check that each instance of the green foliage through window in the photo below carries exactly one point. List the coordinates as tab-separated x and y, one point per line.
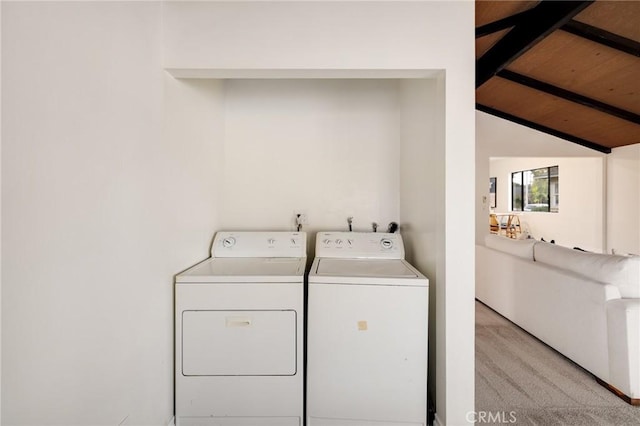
535	190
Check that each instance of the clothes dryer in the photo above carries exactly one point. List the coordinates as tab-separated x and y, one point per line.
366	333
239	321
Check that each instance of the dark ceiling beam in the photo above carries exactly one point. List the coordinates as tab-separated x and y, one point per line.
569	95
544	129
601	36
501	24
541	20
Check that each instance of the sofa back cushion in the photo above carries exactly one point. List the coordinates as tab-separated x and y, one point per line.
520	248
621	271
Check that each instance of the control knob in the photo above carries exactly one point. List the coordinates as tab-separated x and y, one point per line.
228	242
386	243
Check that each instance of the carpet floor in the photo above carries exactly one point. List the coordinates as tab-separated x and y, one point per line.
520	380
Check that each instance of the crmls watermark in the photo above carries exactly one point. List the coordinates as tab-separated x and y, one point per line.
493	417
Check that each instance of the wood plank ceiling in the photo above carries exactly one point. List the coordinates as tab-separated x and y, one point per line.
567	68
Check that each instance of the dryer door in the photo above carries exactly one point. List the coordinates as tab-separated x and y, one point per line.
239	343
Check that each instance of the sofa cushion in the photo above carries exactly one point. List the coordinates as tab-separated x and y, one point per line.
520	248
621	271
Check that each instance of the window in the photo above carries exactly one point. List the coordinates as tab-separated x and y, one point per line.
535	190
492	192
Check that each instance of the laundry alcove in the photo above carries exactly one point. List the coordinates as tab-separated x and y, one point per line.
331	147
415	130
334	144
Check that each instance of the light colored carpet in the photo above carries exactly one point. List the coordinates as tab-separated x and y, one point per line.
520	380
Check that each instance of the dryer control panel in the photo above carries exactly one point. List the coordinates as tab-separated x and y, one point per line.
259	244
359	245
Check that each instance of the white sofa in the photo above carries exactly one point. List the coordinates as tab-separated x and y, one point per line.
584	305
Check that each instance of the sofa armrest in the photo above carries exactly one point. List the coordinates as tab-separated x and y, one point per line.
623	323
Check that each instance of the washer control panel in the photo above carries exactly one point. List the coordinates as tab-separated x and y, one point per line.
365	245
259	244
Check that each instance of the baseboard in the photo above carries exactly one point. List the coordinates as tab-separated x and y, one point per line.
172	422
436	421
619	393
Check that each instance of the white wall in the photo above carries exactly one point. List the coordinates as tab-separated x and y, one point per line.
1	132
368	36
580	219
421	194
336	35
623	200
326	147
99	211
191	145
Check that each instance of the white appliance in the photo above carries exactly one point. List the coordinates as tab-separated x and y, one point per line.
239	321
366	333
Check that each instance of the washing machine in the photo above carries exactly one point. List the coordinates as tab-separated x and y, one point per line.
239	323
366	333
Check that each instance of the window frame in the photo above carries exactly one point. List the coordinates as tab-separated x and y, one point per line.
521	194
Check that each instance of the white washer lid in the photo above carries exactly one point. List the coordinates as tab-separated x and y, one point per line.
379	268
247	269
